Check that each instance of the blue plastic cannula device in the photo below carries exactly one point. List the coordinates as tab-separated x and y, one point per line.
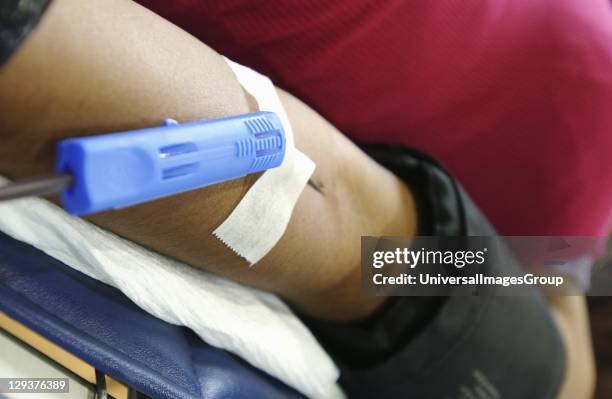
117	170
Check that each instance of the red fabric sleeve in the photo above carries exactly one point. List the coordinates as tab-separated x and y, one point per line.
514	97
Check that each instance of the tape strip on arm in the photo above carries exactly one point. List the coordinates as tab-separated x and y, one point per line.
260	219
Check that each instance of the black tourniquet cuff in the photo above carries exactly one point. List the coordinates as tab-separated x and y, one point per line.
445	347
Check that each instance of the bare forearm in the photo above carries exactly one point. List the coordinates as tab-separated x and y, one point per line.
102	66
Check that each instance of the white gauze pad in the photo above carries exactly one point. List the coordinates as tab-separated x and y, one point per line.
261	218
253	324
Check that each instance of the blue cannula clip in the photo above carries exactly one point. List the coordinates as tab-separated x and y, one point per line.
116	170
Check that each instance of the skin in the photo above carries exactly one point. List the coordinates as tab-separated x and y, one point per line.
102	66
571	316
135	69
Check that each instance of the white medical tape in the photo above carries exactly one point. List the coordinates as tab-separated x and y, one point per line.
260	219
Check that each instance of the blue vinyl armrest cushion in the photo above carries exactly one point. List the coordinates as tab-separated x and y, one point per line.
100	325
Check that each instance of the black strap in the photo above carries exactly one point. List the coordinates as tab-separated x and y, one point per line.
17	19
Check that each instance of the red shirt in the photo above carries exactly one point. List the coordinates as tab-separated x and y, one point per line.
513	97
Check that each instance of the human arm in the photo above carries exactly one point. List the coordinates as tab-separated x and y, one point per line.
101	66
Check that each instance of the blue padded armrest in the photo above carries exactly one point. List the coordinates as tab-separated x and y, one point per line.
103	327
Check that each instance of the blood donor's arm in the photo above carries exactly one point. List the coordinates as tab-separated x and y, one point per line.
102	66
